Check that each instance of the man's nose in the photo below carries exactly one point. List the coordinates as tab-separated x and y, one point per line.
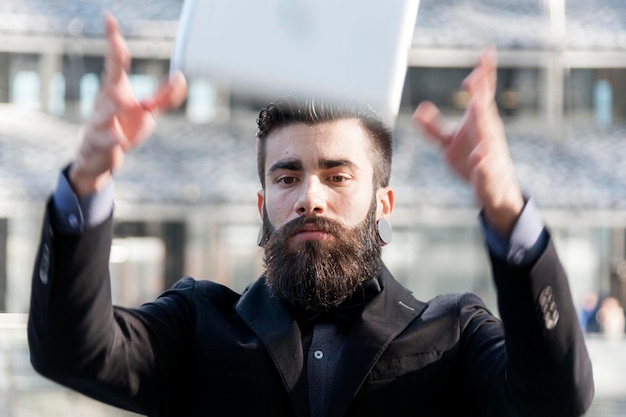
312	198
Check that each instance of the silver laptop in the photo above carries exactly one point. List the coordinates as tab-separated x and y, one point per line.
343	50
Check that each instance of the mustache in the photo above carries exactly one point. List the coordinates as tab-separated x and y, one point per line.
324	224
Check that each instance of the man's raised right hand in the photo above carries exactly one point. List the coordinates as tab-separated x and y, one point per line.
119	122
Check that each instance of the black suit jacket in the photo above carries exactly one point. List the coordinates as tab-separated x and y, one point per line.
202	350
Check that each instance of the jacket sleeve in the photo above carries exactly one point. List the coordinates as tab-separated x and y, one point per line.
545	368
77	338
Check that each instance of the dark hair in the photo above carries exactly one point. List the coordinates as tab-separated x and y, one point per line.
291	110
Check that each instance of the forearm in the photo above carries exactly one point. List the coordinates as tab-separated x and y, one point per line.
547	362
71	288
73	336
70	294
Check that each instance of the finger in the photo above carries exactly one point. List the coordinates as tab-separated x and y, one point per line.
476	157
107	107
119	135
468	129
170	94
427	117
482	80
99	143
117	59
483	123
103	113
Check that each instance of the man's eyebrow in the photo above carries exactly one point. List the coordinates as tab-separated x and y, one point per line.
287	164
334	163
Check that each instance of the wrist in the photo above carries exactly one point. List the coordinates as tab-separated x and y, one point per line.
502	216
85	183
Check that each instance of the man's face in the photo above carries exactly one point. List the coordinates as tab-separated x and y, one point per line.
320	213
320	170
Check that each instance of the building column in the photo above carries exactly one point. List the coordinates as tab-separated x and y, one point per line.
73	71
5	77
50	63
173	234
553	91
4	233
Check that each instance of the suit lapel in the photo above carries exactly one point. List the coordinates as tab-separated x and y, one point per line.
384	317
280	335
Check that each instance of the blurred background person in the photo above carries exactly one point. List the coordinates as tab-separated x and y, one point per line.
610	317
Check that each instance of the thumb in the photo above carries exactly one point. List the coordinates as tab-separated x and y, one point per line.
170	94
426	116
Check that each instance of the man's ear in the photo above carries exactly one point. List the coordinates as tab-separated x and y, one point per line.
260	198
385	202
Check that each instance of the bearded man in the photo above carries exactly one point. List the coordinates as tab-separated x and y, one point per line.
326	330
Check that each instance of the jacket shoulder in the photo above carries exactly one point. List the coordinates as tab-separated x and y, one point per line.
191	289
454	302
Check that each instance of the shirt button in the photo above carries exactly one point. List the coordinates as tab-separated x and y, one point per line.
318	354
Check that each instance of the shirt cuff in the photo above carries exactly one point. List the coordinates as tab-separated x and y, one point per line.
526	241
72	214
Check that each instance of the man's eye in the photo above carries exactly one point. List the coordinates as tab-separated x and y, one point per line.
286	180
338	178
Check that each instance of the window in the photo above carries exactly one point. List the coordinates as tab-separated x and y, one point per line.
26	89
89	86
201	101
57	95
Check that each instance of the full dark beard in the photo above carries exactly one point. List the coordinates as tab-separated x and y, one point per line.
319	275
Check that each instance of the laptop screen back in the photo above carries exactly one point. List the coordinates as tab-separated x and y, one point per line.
348	50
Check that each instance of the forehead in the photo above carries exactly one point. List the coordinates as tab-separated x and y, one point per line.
337	139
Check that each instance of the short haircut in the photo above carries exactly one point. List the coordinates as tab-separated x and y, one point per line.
291	110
